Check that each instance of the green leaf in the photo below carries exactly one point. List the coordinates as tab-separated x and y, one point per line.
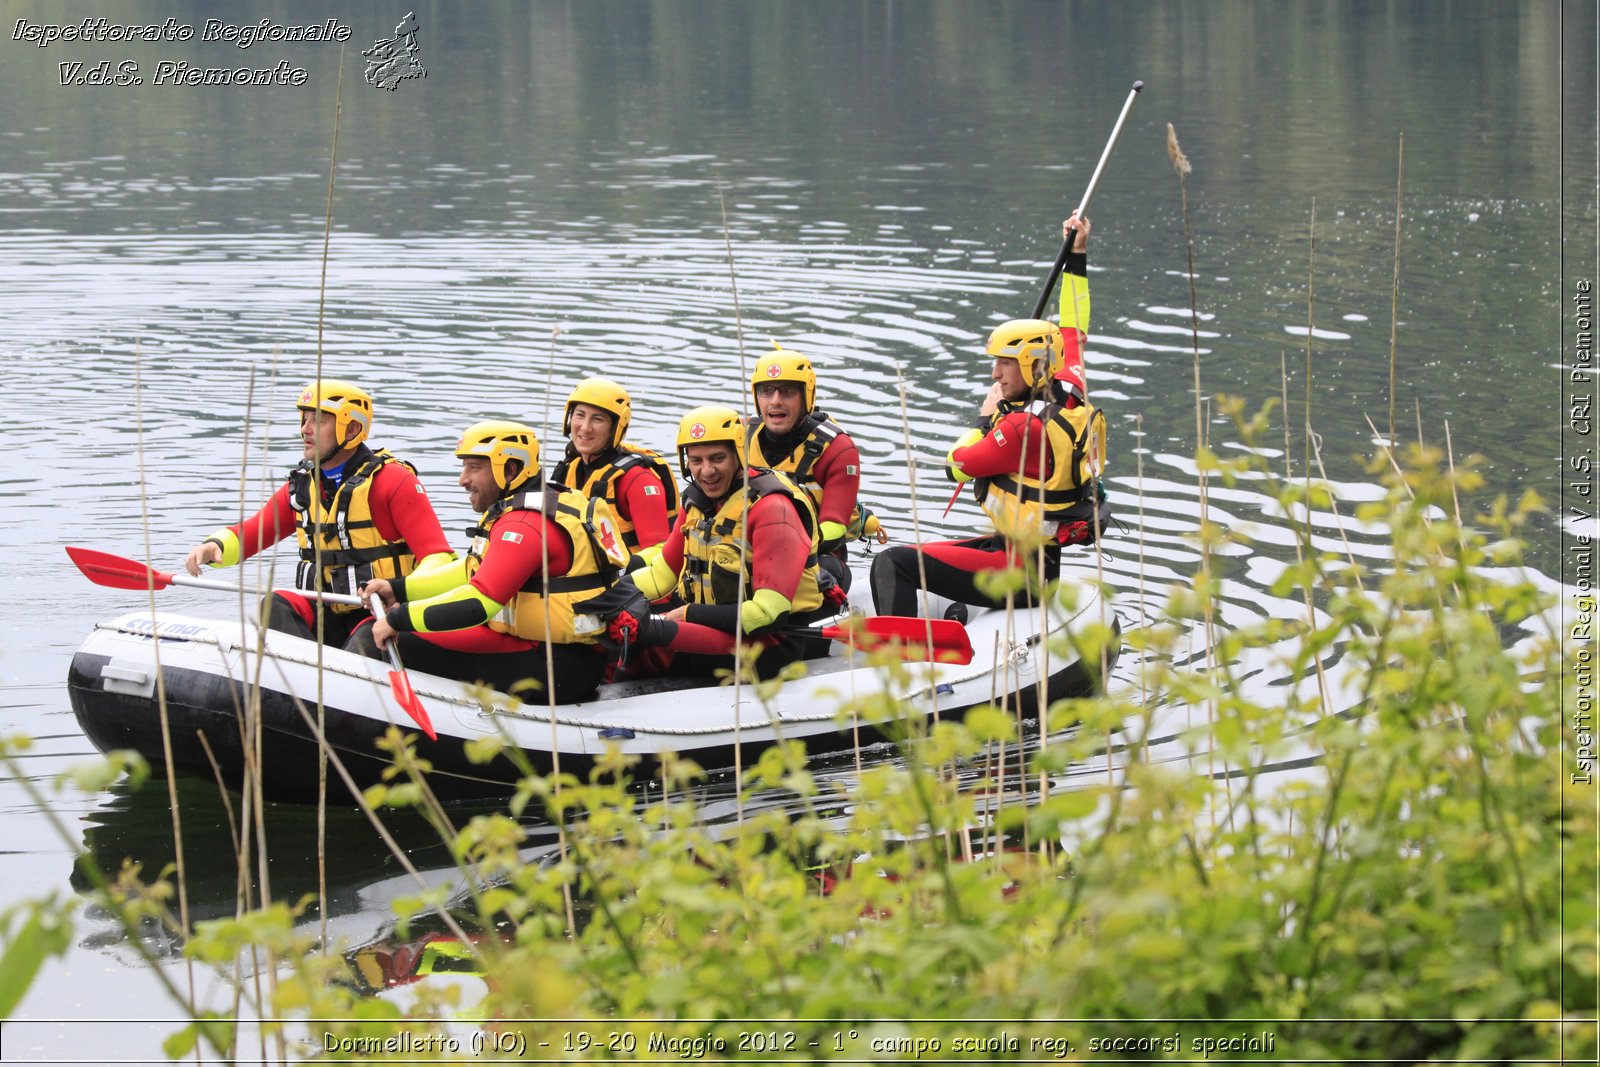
44	933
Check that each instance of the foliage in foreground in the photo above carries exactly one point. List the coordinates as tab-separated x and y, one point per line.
1424	891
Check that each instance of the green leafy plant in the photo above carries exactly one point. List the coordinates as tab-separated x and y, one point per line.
1422	890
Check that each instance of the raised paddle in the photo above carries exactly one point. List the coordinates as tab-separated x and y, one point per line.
119	572
1083	205
400	681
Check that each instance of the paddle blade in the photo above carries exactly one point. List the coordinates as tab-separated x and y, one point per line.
941	640
407	698
952	501
117	572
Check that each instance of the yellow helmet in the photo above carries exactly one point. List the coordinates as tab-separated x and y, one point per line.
605	394
1035	344
785	365
706	425
502	442
347	402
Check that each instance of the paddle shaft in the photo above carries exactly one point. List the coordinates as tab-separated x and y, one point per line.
120	572
1083	205
376	605
231	587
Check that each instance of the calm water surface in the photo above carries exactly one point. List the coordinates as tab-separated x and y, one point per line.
548	203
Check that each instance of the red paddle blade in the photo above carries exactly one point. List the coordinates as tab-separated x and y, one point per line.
117	572
946	639
952	501
406	697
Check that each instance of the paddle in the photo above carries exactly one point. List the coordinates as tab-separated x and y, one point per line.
119	572
400	682
946	639
1083	205
1072	234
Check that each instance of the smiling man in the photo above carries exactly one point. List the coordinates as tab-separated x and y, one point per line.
536	552
357	512
791	434
741	559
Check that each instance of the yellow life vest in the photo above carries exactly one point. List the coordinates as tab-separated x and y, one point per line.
352	550
598	556
601	482
1075	440
820	432
715	543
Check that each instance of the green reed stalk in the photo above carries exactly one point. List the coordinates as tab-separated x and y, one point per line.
1394	297
549	656
738	620
155	648
916	525
1311	294
244	895
1338	519
1304	545
1182	167
322	307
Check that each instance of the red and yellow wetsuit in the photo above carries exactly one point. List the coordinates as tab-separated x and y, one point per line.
823	460
776	538
374	519
644	500
485	617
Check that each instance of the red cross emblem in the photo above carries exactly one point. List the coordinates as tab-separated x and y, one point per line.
773	370
697	431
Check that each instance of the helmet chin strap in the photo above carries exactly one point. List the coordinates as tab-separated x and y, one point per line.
334	451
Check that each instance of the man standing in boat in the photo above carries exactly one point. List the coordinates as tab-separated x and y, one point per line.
791	434
357	512
742	559
506	610
1034	459
634	481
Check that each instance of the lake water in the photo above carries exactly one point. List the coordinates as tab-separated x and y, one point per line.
561	196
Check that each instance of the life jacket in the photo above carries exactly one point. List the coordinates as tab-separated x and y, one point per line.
598	557
352	550
602	478
819	432
714	542
1024	506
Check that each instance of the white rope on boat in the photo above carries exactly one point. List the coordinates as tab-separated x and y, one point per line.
939	677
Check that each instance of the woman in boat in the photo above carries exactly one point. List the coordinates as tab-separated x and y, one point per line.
497	616
791	434
743	530
1035	460
636	482
359	513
